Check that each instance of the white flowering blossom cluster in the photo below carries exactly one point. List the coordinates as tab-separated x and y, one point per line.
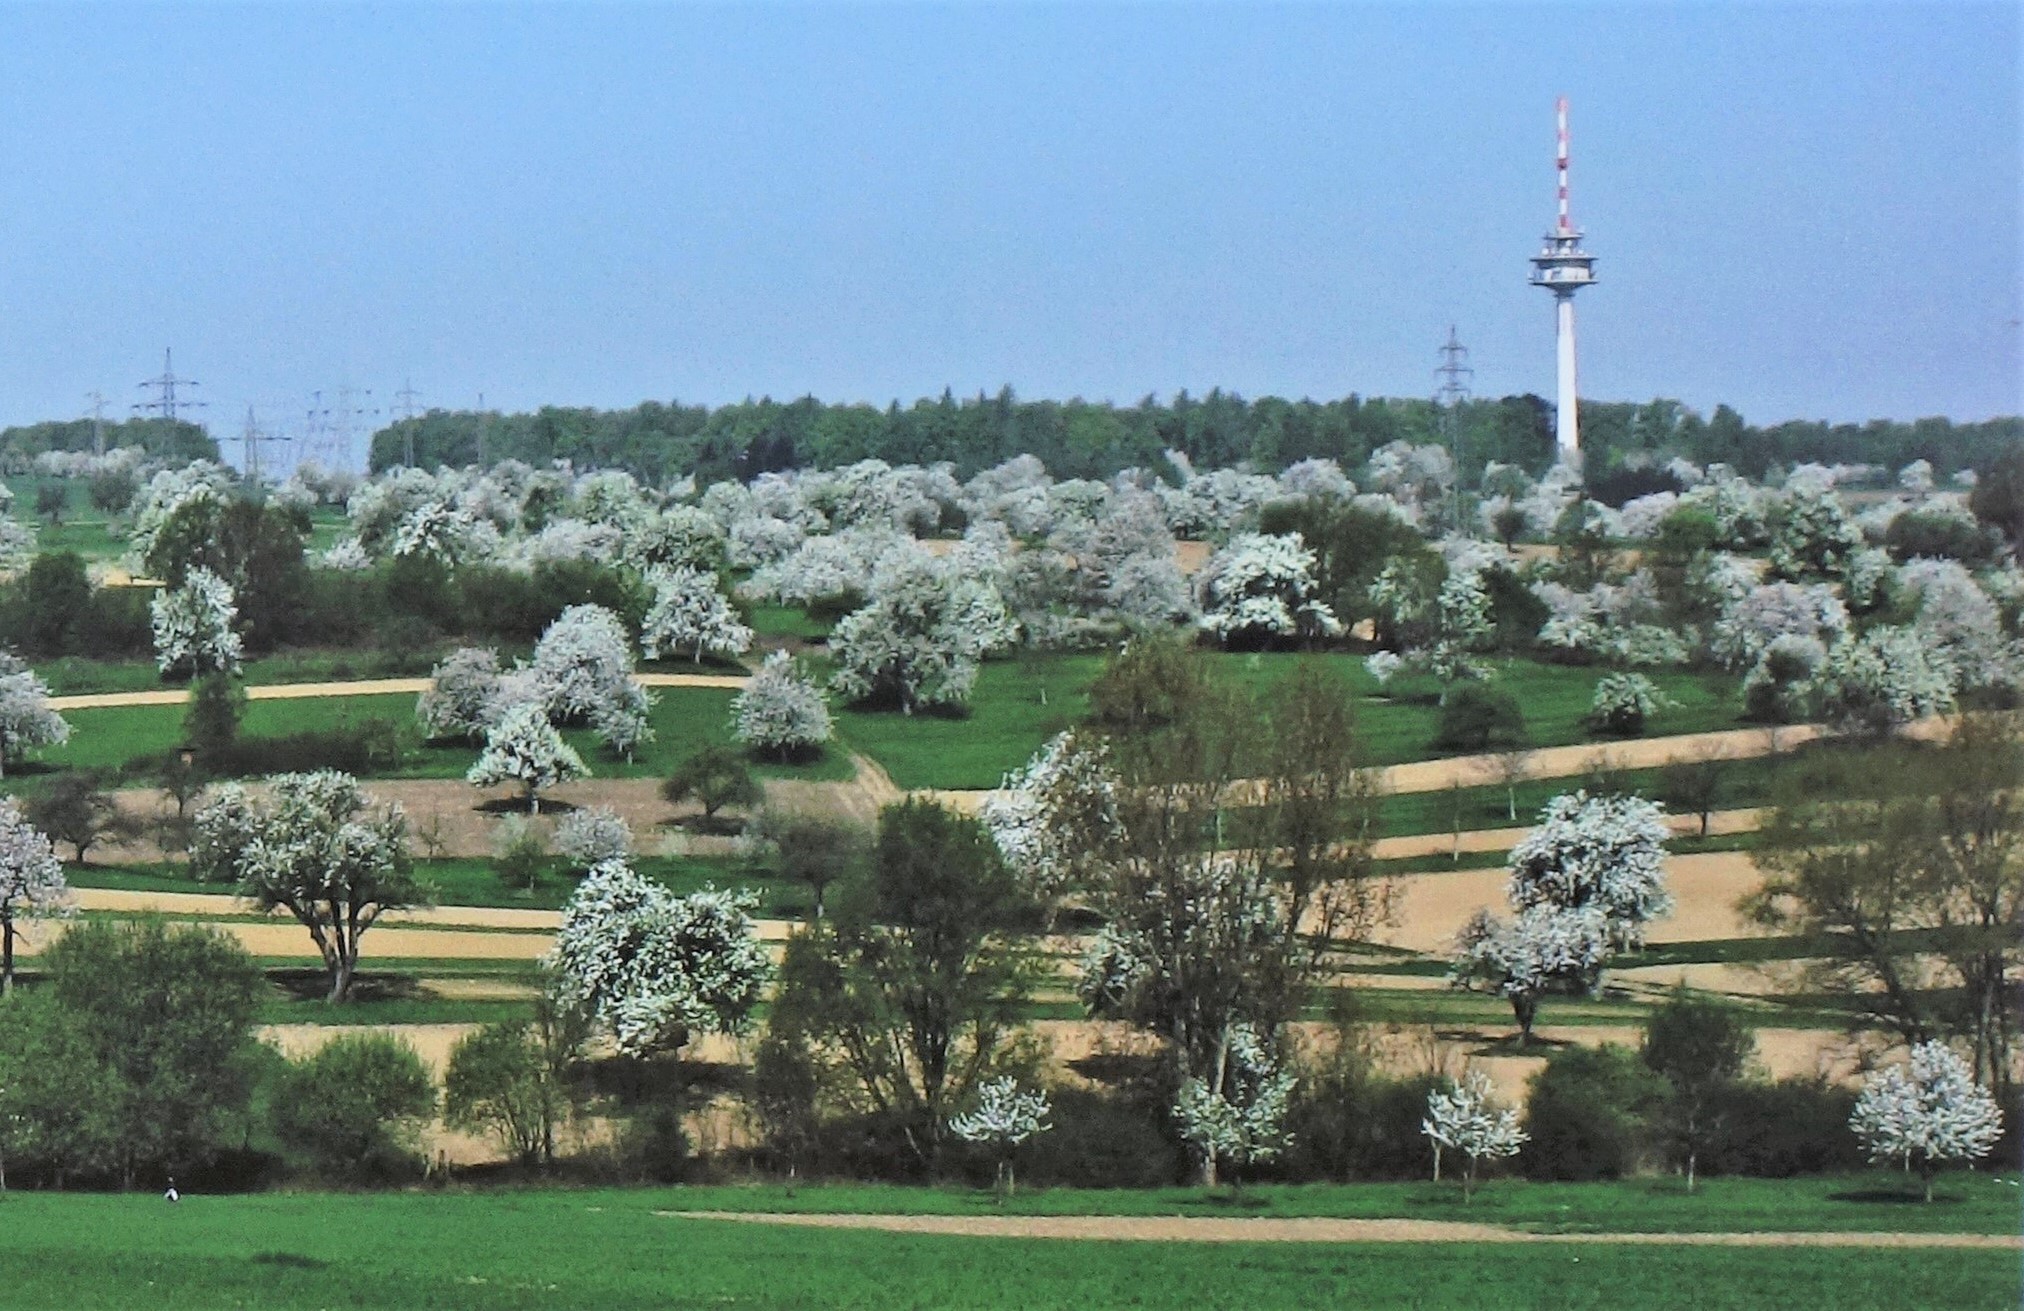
523	747
593	835
1812	535
1041	817
689	615
1465	1118
31	879
1586	882
1883	678
464	697
1005	1116
781	711
193	626
25	717
583	672
164	494
1751	621
919	639
17	544
1243	1121
89	464
1612	622
1261	586
1926	1113
1623	702
654	969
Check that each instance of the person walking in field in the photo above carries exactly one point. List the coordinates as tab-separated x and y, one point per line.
172	1195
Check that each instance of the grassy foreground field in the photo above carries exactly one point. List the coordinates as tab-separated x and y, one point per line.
612	1250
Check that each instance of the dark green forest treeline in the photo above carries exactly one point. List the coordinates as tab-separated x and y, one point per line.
168	439
1086	439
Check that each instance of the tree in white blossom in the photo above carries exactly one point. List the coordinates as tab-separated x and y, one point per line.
1005	1116
463	699
690	616
1623	702
1544	950
1880	680
1587	881
1042	815
1261	587
1767	612
589	837
781	712
653	969
193	626
524	748
31	882
920	639
1926	1113
1466	1118
25	717
1241	1119
316	848
17	544
1812	536
583	673
681	536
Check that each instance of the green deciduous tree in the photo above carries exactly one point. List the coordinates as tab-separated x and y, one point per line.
1700	1048
356	1106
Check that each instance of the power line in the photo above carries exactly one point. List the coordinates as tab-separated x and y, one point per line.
166	402
251	441
406	397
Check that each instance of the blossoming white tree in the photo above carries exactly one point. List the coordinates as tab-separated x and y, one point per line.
1886	677
583	672
1043	812
1243	1121
1262	587
920	639
1926	1113
1586	881
17	544
782	711
690	615
589	837
463	699
316	849
1006	1115
1467	1119
654	969
193	626
524	748
31	882
25	717
1623	702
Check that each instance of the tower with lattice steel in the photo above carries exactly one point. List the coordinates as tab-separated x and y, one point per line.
1563	268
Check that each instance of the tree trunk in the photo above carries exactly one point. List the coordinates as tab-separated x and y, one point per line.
1437	1162
341	972
1526	1008
6	954
1690	1171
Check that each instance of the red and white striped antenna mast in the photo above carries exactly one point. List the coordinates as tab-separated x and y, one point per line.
1560	113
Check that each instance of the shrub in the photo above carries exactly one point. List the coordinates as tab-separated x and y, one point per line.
1623	702
1100	1140
1585	1114
357	1106
1917	534
1777	1130
1476	718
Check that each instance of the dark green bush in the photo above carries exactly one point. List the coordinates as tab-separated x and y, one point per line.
1586	1114
356	1106
1100	1140
1476	718
1776	1130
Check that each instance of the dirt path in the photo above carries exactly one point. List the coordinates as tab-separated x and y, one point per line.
175	696
1568	761
1198	1229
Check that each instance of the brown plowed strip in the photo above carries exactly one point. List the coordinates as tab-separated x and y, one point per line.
1191	1229
175	696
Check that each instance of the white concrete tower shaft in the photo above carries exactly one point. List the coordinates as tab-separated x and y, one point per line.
1563	268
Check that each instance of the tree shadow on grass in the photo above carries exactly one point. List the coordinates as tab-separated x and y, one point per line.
518	806
1908	1196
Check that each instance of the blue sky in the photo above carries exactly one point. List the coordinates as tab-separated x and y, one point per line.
1806	212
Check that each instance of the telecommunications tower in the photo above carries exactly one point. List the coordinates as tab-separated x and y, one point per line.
1563	268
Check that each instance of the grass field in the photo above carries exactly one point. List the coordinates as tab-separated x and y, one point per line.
684	719
1018	705
610	1250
